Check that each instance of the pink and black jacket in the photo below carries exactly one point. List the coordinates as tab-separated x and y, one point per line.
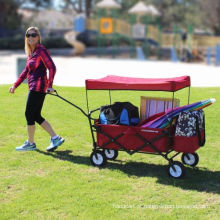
36	70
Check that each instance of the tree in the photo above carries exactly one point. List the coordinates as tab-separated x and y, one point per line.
179	12
35	3
9	18
211	14
79	6
88	8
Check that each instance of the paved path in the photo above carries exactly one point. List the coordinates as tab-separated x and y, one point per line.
72	71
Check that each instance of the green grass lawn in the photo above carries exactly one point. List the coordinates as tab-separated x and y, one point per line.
64	185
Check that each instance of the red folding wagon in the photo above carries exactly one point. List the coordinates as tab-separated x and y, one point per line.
109	139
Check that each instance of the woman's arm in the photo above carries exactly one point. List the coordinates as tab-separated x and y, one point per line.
49	64
20	79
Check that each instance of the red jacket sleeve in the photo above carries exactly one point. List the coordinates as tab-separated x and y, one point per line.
22	77
49	64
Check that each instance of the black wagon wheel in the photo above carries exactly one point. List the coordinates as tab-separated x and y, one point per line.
176	170
98	158
110	154
191	159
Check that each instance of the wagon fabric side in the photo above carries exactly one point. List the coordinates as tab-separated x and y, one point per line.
133	139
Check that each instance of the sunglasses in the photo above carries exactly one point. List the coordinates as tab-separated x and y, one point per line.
31	35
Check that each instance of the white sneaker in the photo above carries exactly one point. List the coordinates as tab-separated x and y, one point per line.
55	143
26	146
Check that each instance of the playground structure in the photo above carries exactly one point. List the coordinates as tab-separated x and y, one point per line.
78	46
112	31
143	35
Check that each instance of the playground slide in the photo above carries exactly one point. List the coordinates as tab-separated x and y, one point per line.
140	53
78	46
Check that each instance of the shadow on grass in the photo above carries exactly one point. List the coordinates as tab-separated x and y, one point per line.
199	179
67	156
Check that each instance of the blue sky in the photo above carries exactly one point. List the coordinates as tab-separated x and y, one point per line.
56	3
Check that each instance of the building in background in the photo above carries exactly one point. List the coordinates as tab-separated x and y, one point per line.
51	22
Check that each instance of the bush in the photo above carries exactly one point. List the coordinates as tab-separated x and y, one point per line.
90	39
57	42
17	42
12	43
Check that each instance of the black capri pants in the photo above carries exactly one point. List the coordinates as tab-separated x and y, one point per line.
34	105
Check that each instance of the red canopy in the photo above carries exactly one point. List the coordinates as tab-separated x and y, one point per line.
130	83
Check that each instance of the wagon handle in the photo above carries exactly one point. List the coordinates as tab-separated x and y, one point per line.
55	91
94	110
57	95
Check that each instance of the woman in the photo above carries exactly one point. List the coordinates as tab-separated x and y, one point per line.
38	61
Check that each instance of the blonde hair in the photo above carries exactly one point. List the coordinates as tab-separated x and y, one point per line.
27	46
